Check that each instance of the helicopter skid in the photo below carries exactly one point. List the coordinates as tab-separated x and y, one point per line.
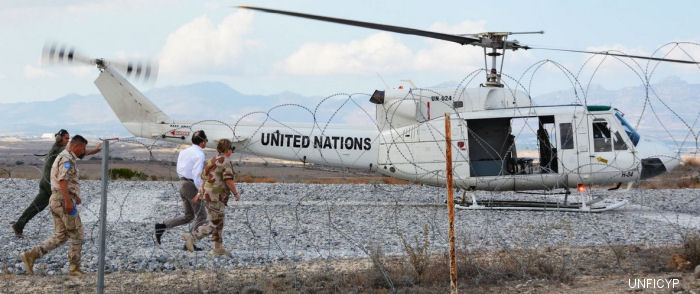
596	205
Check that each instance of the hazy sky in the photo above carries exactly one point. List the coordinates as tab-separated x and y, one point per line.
260	53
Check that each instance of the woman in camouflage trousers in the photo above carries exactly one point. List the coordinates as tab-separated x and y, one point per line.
218	184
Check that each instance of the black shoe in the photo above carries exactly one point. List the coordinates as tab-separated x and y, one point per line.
160	229
18	233
184	247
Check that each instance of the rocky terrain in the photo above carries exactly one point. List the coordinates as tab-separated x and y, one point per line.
276	223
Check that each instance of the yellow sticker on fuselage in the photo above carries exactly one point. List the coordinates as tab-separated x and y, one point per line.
603	160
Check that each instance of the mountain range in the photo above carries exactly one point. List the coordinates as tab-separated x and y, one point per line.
676	108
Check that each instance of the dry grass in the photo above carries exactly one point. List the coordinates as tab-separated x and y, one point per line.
417	252
691	248
687	175
501	271
247	178
691	159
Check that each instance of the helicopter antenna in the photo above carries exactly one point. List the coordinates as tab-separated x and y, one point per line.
383	81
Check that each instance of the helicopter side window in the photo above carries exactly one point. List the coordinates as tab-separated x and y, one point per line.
567	136
601	136
618	143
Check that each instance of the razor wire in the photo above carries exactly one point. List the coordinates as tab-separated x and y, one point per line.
288	223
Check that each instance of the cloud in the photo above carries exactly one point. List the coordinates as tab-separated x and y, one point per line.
464	27
448	56
200	45
32	72
384	52
617	48
378	52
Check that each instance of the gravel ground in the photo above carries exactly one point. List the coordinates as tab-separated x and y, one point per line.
293	222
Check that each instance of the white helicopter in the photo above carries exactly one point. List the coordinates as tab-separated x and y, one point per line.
579	145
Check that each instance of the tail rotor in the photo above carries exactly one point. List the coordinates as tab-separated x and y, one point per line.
62	54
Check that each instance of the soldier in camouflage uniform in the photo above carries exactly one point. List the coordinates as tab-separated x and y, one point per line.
218	184
42	198
65	196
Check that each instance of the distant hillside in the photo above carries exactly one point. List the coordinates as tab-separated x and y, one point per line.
671	102
91	115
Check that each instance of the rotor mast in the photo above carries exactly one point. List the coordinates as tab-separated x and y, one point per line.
493	76
498	43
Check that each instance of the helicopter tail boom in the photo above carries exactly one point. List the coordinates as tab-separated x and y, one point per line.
132	108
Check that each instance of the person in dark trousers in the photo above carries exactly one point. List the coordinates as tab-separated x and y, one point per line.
190	163
42	198
65	197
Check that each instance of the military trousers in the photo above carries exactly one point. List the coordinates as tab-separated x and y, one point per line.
65	226
216	222
38	204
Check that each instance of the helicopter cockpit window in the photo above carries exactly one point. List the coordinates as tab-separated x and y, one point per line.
631	132
601	136
618	143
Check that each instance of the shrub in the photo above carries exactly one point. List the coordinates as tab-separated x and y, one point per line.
691	244
417	252
127	174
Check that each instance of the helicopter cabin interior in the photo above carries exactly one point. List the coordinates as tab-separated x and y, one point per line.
494	142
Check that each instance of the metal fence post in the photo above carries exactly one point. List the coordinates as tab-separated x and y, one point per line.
450	203
103	218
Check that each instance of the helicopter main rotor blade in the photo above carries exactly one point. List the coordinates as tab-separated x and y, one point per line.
621	55
463	40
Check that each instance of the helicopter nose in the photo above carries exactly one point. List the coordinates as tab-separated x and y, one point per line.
657	157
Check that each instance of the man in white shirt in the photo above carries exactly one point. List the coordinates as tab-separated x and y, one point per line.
190	163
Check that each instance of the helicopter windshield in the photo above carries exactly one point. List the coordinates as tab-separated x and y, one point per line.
631	132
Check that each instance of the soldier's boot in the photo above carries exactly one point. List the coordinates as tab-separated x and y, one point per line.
219	249
189	241
18	232
160	229
28	258
74	270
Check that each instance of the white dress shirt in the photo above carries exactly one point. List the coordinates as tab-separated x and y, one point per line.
190	163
